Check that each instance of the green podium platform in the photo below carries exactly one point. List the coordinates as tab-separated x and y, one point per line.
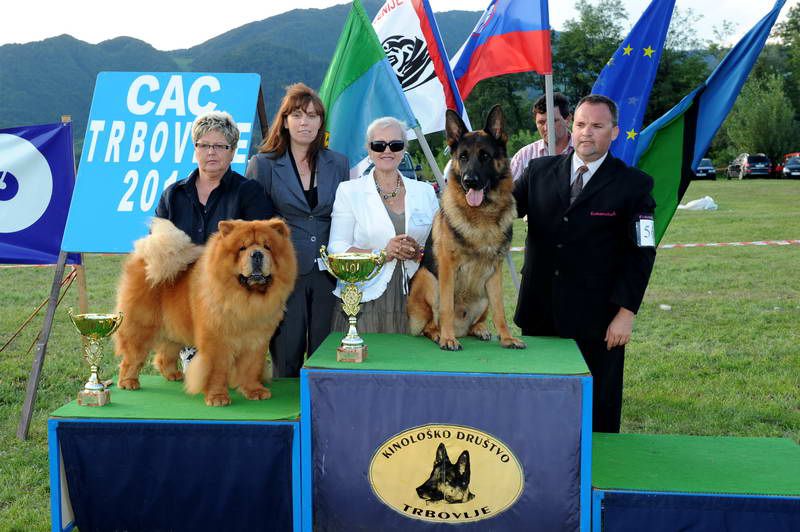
397	352
157	458
671	482
415	437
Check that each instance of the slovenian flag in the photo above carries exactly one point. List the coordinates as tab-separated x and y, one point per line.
359	87
511	36
671	147
410	37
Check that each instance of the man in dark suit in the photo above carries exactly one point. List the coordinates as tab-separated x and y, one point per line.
589	251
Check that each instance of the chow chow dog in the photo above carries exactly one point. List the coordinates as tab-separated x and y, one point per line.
226	298
448	481
457	283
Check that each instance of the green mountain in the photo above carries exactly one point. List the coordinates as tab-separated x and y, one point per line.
43	80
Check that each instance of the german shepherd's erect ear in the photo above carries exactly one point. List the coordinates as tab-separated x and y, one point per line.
495	125
455	129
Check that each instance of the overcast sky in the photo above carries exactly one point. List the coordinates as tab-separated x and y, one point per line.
174	24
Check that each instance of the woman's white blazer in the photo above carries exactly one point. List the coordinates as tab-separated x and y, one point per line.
360	220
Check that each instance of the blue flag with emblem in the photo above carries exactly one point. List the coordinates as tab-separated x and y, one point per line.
628	76
37	175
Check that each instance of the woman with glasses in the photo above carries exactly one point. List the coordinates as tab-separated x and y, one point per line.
383	211
212	192
300	177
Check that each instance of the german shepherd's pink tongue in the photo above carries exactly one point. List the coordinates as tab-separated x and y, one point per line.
474	197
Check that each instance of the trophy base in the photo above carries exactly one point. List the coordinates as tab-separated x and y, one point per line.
351	354
94	397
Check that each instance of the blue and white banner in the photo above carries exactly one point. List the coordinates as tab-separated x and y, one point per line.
37	174
139	141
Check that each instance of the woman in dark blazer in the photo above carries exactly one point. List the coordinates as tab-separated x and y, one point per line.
300	177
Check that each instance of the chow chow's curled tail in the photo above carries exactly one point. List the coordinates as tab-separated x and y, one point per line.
166	252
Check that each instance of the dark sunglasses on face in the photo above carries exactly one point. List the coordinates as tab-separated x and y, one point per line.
379	146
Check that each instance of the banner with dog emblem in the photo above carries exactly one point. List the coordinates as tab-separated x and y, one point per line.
394	472
405	450
37	174
410	37
139	141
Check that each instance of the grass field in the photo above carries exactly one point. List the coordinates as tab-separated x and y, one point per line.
723	360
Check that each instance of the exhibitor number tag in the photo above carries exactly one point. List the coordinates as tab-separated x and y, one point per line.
645	233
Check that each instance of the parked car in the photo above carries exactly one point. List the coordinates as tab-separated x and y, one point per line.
407	168
705	170
791	168
746	165
779	167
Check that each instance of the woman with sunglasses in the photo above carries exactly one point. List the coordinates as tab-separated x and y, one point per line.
383	211
212	192
300	177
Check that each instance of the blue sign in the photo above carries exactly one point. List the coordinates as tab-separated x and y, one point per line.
139	141
37	173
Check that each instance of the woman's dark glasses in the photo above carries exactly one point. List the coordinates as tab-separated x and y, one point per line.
379	146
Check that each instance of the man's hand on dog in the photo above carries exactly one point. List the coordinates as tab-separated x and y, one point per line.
403	247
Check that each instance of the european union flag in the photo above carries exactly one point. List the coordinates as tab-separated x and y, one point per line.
628	76
671	147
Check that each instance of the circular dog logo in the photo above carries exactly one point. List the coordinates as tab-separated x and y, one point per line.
410	60
446	474
26	184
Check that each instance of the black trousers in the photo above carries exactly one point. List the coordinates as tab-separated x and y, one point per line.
306	323
606	367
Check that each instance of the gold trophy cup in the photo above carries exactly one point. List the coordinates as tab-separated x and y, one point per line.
352	268
94	328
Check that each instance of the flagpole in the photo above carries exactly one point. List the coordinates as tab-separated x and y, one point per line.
429	156
551	122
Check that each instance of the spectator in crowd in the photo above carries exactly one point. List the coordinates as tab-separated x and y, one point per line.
562	119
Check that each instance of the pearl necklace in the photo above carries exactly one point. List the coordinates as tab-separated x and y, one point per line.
391	194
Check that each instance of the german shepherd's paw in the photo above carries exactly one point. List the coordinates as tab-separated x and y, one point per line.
432	332
218	399
481	333
129	384
257	393
512	343
449	344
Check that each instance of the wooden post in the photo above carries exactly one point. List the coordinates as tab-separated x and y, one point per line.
80	271
262	113
41	348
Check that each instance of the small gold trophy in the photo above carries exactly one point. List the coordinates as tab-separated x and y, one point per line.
352	268
94	328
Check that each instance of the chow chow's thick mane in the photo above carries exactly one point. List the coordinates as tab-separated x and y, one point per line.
166	251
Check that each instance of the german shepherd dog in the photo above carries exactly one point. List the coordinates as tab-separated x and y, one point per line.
462	277
448	481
